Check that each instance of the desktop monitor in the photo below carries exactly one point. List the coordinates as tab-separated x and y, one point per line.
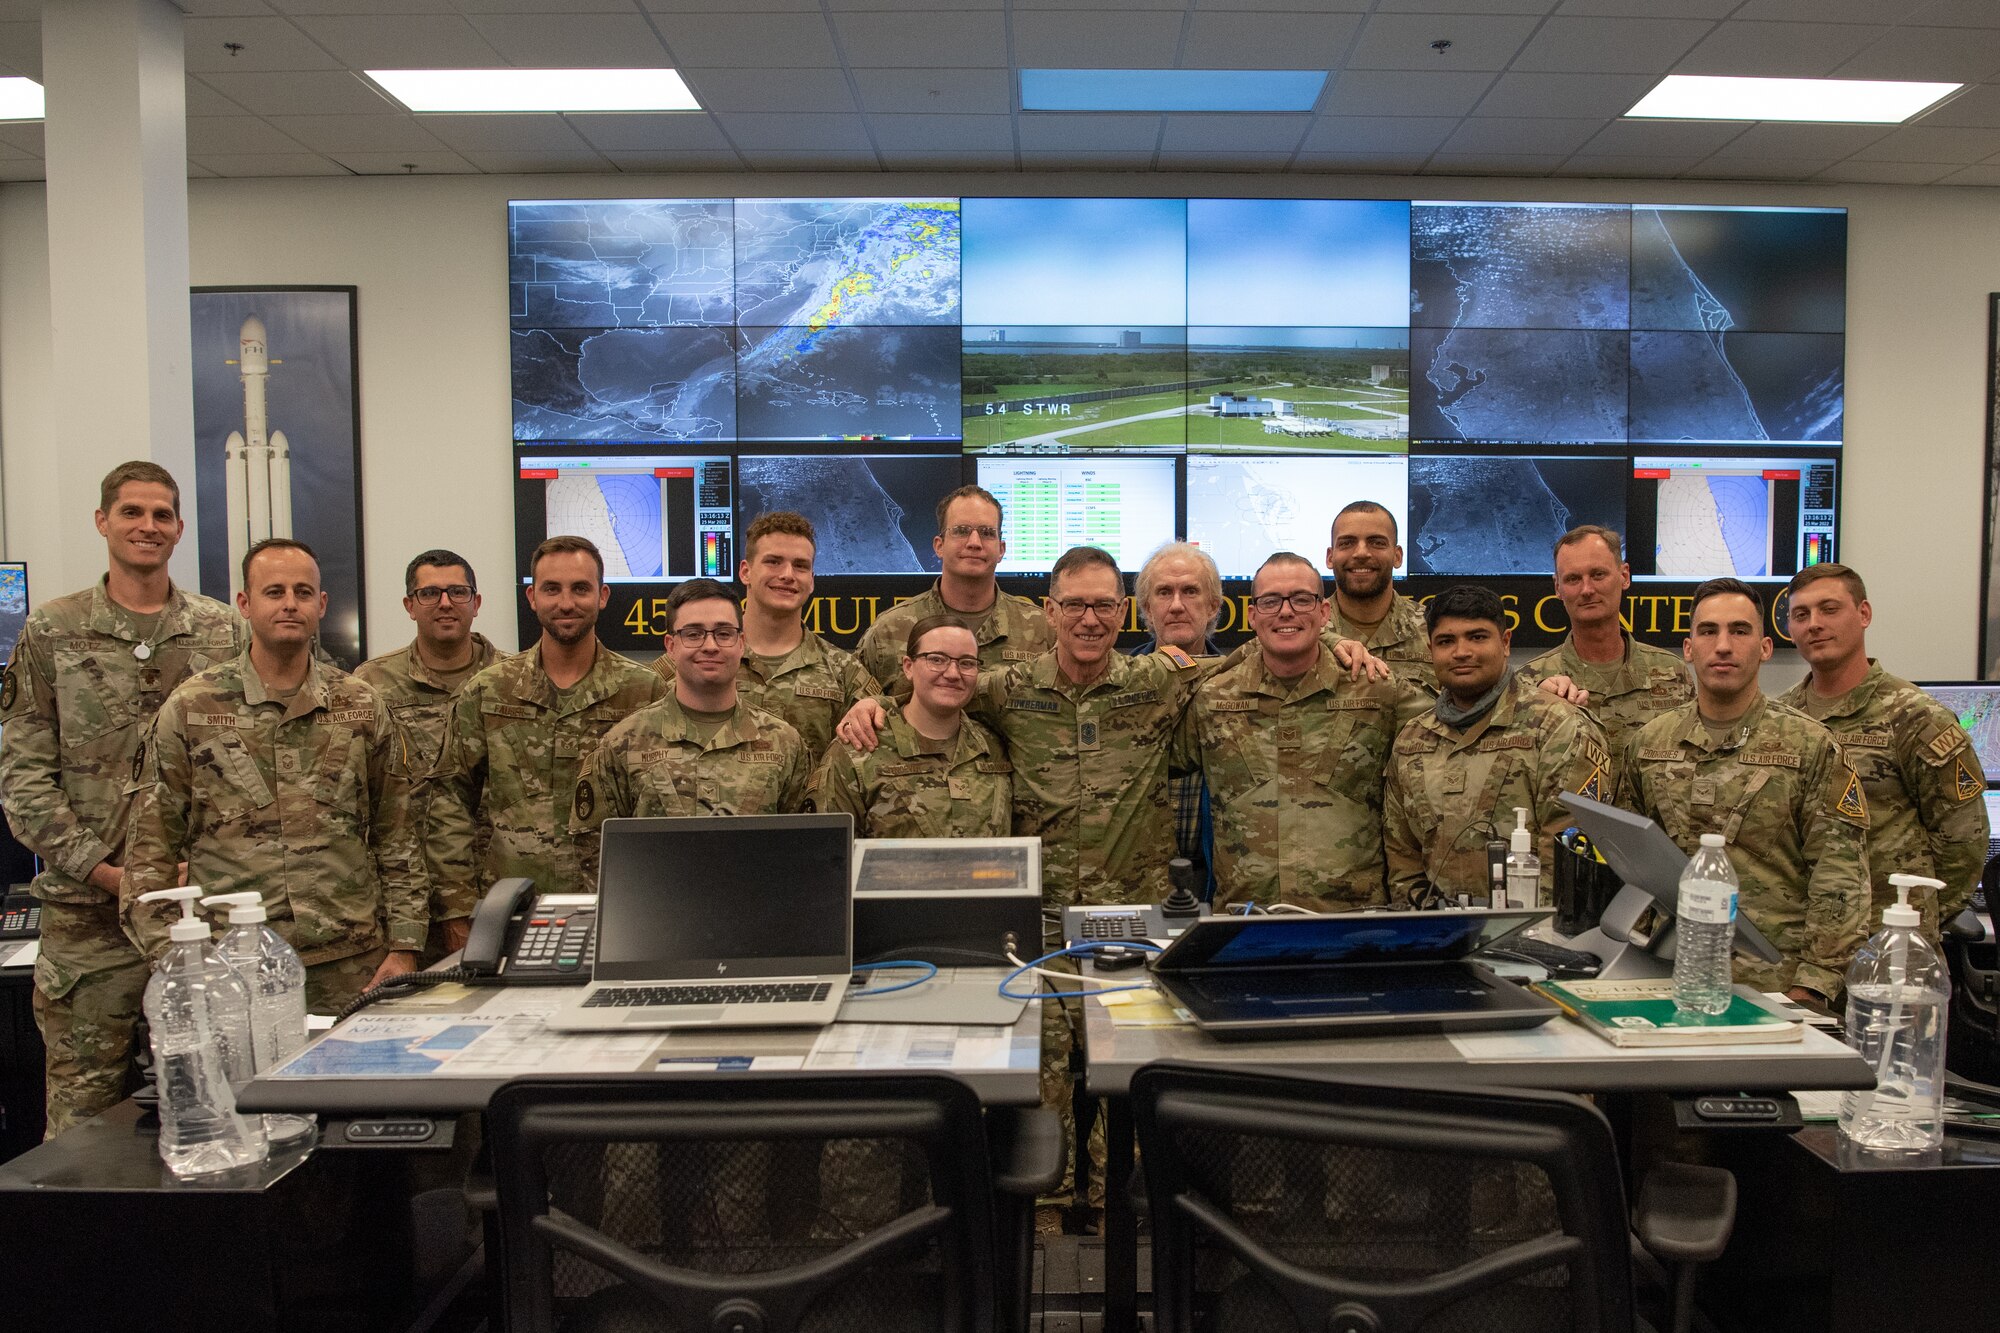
653	516
1759	515
1240	509
13	605
1125	505
1976	705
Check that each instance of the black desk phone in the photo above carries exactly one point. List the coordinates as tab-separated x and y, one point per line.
20	916
521	938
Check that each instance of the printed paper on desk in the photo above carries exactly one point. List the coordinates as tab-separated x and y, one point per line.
24	956
910	1046
374	1046
525	1044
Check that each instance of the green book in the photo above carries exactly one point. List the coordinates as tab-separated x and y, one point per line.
1642	1013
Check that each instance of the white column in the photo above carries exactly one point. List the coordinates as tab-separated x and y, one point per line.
118	262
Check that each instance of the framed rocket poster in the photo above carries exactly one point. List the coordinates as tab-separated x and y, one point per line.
277	440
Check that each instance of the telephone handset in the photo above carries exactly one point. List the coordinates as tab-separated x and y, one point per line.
520	938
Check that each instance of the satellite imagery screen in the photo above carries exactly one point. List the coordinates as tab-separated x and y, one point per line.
1480	515
871	514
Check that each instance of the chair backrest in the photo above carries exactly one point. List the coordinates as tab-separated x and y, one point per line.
746	1205
1287	1204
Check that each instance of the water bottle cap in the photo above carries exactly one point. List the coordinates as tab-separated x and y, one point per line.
1714	840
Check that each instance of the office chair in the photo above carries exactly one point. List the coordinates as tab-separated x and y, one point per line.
752	1205
1284	1203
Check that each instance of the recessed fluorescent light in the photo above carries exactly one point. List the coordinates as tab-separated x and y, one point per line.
537	89
1852	101
21	99
1170	89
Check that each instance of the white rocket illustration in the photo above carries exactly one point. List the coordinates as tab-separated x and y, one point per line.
257	466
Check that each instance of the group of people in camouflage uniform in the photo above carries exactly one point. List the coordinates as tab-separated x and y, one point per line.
1358	751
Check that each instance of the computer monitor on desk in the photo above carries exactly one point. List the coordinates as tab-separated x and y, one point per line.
1976	705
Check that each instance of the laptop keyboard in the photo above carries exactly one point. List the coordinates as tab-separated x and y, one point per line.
741	992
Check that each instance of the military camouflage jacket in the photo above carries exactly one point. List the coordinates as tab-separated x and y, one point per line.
1090	769
1797	823
652	765
1924	785
517	745
1012	630
300	801
74	707
1294	772
1624	695
420	706
901	790
1400	640
811	687
1449	791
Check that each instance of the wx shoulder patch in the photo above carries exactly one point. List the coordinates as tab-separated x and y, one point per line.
1853	802
1964	785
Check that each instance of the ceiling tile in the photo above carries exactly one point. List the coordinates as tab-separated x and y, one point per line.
1980	175
1640	9
1402	41
1887	173
639	163
1055	132
925	161
207	8
359	134
33	169
786	159
24	134
1522	94
819	88
963	91
270	164
920	41
1954	55
247	134
1760	168
1505	134
535	132
761	131
528	162
268	43
1960	14
1933	143
1492	164
1611	45
9	153
1379	134
359	6
1664	138
1974	106
1364	92
1462	6
1777	50
1394	164
575	41
740	6
1268	41
1249	134
1832	142
308	93
649	132
21	48
203	100
1625	164
1215	161
747	40
1086	161
393	164
1828	11
939	134
414	41
1140	39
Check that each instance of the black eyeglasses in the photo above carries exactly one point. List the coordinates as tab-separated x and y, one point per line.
942	662
1273	602
460	594
724	636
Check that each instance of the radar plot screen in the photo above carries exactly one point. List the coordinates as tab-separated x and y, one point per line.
1977	707
1125	505
1491	515
1699	517
871	514
1240	510
652	516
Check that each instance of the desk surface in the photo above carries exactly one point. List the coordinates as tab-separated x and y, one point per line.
451	1048
1558	1055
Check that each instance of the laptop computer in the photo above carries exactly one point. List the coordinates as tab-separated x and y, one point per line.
719	921
1347	974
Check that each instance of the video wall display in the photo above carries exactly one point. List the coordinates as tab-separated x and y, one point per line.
1129	371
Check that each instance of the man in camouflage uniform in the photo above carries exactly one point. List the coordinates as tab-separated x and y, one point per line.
970	548
276	772
418	683
1619	681
1364	557
937	773
1294	751
1922	776
1491	743
522	729
1773	782
89	672
787	671
702	750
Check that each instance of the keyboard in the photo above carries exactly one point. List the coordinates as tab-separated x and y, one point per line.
746	992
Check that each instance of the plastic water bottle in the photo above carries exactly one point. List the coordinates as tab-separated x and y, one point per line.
276	979
1897	993
199	1012
1704	923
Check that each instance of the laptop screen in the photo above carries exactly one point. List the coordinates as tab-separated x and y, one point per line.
1349	937
1976	703
721	896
